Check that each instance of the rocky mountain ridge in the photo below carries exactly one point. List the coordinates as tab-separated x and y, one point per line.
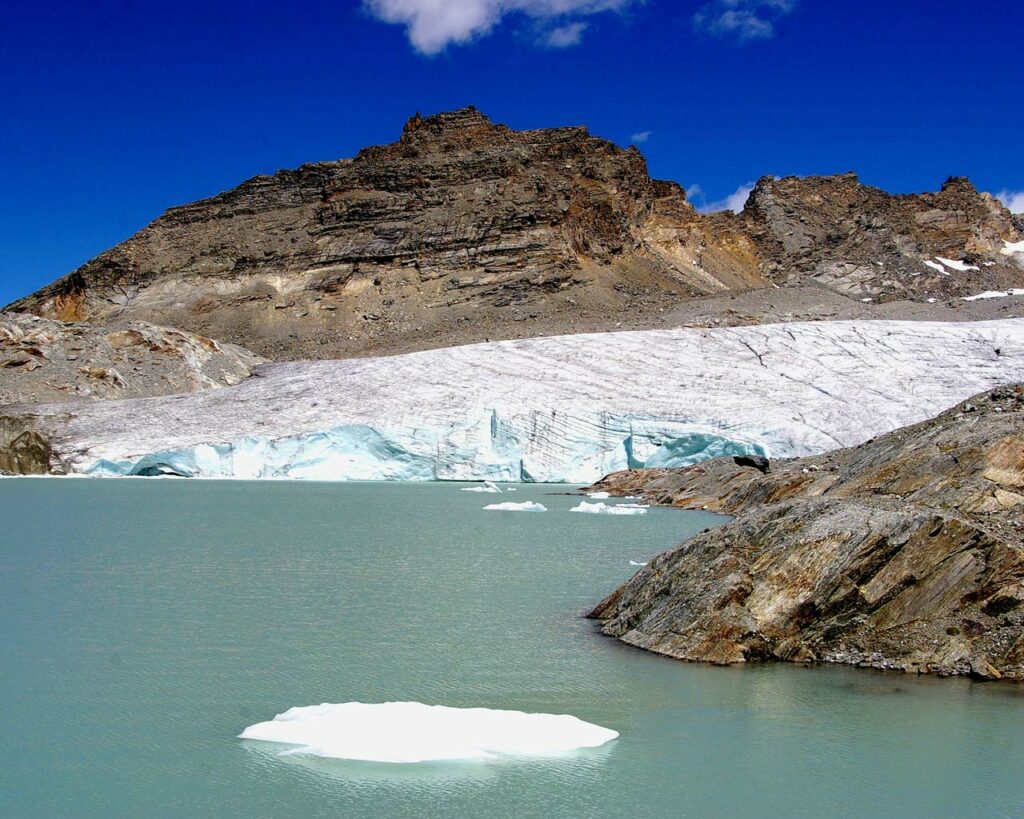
465	230
903	553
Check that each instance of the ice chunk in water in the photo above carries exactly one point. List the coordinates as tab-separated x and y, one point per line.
604	509
489	486
408	732
526	506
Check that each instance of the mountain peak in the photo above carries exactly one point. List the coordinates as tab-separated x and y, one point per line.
462	122
465	229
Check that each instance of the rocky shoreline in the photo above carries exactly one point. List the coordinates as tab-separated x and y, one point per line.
904	553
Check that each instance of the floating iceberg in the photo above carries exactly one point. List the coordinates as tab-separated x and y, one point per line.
598	495
566	409
634	563
409	732
526	506
604	509
489	486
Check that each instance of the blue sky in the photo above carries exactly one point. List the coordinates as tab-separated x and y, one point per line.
114	110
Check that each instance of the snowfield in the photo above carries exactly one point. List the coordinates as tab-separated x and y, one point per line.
559	409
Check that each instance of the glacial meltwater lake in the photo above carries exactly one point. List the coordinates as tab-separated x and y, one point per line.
145	623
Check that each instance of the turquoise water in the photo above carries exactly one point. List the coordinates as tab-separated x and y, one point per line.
146	623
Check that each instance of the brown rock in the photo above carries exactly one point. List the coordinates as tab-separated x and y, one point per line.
445	234
883	556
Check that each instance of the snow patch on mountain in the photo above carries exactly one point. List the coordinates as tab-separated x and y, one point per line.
995	294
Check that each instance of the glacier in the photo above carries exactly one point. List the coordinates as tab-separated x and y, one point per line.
412	732
562	409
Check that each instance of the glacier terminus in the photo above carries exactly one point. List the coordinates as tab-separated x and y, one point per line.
554	409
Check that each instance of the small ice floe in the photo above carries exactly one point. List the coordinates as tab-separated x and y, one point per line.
634	563
633	506
937	266
1009	248
489	486
411	732
954	264
598	495
526	506
605	509
995	294
510	489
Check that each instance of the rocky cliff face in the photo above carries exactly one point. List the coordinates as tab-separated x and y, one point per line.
465	230
43	360
906	552
864	242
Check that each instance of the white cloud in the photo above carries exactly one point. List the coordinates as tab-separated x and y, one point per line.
1014	200
734	201
565	36
433	25
743	19
640	137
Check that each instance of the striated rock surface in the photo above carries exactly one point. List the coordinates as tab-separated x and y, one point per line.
464	230
562	409
48	361
905	552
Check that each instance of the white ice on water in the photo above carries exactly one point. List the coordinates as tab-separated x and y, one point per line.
410	732
604	509
598	495
565	409
635	563
526	506
489	486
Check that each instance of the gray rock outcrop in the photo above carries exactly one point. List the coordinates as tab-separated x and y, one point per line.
49	361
